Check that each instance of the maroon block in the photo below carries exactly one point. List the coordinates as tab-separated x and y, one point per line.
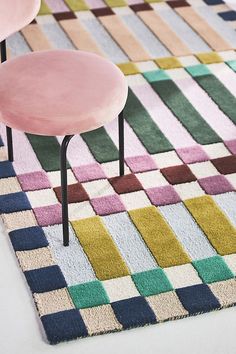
76	193
225	165
178	174
125	184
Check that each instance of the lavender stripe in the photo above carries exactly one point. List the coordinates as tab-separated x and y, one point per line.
166	121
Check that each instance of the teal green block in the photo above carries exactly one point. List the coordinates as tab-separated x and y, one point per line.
198	70
213	269
88	294
152	282
156	75
232	64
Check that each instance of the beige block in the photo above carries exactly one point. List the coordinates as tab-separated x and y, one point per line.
19	220
34	259
225	291
79	36
166	306
125	38
9	185
53	301
166	35
36	38
100	319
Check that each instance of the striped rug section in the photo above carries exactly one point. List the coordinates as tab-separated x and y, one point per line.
158	243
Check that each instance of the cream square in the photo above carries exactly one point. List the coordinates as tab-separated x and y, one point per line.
144	66
135	80
99	188
166	306
80	210
120	288
41	20
122	10
19	220
135	200
152	179
232	179
178	73
203	169
53	301
216	150
228	55
167	159
42	198
182	276
111	169
189	190
84	15
55	178
231	262
3	154
159	6
188	60
9	185
100	319
225	291
34	259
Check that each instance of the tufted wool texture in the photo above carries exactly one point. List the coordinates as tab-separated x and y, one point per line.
159	243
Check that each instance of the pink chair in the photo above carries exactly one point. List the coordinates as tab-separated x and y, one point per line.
57	92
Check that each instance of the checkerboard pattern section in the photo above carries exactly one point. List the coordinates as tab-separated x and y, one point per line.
160	242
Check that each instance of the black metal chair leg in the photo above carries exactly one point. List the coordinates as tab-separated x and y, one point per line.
9	144
9	130
65	219
3	51
121	143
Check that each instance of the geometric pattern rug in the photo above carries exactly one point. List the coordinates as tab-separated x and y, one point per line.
159	243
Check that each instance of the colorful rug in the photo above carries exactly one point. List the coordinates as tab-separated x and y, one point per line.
160	242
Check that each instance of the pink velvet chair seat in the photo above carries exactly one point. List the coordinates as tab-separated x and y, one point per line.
60	92
16	14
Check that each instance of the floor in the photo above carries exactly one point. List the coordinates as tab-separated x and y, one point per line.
20	330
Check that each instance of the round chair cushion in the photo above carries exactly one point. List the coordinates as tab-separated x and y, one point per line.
60	92
16	14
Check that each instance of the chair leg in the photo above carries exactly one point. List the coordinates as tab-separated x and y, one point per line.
65	219
9	144
3	51
9	131
121	143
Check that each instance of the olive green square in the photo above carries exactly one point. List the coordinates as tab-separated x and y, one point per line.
152	282
213	269
88	294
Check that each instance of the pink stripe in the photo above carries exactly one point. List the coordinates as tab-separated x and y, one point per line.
95	4
166	121
57	6
207	108
225	75
25	159
78	152
133	146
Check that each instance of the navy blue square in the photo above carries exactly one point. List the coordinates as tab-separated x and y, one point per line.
197	298
28	239
64	326
6	169
214	2
228	15
133	312
9	203
45	279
